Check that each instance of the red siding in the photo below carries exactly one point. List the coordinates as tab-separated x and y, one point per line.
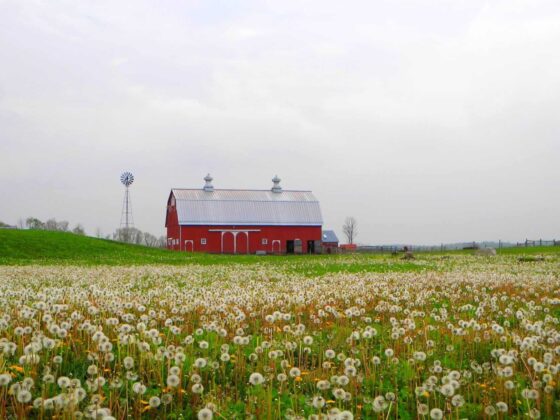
276	236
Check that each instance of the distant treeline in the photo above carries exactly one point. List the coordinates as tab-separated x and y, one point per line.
136	236
130	235
53	224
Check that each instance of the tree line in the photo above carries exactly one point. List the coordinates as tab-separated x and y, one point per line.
54	225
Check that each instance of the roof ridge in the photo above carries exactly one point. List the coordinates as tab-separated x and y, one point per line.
237	189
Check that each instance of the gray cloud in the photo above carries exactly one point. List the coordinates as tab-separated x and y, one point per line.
427	120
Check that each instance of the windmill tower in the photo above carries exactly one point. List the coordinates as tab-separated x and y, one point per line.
126	214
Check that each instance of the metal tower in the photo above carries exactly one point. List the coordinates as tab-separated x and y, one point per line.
127	221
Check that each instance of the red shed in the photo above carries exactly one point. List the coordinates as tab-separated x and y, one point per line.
274	221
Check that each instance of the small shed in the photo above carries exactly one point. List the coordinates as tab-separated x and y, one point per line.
329	242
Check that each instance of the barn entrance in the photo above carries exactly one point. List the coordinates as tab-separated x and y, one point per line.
242	243
290	247
234	241
311	247
228	243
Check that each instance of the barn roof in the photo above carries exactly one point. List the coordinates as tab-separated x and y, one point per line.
329	236
247	207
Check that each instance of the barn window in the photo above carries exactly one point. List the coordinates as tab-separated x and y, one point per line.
169	241
203	241
264	241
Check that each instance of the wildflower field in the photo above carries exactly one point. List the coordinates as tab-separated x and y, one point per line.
363	337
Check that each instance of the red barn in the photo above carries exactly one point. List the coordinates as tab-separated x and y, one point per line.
221	221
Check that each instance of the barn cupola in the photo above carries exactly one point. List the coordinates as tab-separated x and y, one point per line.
208	187
276	188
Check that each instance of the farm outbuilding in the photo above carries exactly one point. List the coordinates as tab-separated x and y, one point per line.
231	221
329	242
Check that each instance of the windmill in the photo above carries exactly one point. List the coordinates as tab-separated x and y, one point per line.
126	215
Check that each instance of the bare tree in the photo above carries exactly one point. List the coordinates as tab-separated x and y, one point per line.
350	229
162	242
138	237
34	223
50	224
150	240
79	230
20	223
62	226
98	232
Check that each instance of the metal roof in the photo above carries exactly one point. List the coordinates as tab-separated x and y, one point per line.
247	207
329	236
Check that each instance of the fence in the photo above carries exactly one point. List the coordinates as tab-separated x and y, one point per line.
454	247
540	242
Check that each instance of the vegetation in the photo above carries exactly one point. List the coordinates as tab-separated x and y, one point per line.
25	247
150	333
49	247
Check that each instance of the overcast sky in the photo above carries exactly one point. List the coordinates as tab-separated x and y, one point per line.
428	120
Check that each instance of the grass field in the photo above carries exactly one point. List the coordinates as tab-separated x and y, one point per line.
96	329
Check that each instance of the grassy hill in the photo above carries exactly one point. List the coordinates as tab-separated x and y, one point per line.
23	247
46	247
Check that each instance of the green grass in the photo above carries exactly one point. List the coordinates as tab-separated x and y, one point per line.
27	247
23	247
530	250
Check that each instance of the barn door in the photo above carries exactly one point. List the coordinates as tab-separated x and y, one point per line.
298	246
228	243
289	247
241	242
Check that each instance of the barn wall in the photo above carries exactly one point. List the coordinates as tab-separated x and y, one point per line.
172	224
271	233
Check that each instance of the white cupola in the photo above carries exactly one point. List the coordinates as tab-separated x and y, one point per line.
208	187
276	188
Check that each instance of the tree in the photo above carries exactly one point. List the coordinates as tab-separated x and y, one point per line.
150	240
20	223
98	232
350	229
50	224
34	223
162	242
62	226
79	230
137	237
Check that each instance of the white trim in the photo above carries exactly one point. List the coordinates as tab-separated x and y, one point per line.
234	230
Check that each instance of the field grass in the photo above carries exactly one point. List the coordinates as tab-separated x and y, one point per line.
25	247
37	247
91	328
